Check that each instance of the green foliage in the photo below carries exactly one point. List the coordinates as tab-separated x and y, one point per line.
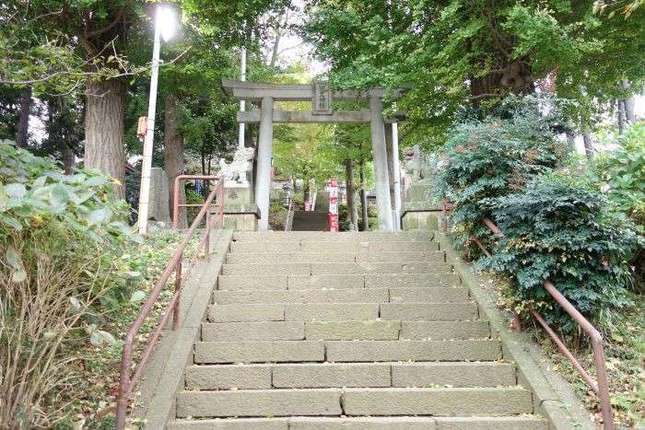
495	157
36	196
622	172
459	53
561	228
58	239
556	227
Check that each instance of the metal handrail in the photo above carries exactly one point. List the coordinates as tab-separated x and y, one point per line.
599	386
129	375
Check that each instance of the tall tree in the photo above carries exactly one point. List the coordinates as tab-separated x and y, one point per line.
456	55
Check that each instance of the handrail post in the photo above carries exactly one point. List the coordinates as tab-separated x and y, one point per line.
603	384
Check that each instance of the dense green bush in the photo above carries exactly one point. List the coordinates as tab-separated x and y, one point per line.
561	228
59	236
494	157
557	227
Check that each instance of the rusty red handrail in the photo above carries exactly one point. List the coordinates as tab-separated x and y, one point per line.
599	386
130	376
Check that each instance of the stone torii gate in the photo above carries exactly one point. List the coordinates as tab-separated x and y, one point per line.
384	136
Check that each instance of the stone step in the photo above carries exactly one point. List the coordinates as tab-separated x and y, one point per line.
437	401
335	281
333	268
413	350
333	246
345	295
524	422
265	330
345	330
428	311
346	351
357	295
352	311
251	236
336	257
355	402
355	375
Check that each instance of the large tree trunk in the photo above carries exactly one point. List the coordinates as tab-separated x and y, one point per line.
351	207
587	140
514	78
364	208
104	146
22	135
174	156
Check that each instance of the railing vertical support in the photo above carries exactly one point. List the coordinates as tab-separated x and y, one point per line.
603	384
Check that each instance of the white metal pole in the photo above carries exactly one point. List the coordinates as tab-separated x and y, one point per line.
144	194
396	167
240	142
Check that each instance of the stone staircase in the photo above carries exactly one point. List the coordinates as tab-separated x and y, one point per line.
351	331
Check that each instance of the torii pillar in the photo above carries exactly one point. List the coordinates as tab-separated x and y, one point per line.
265	151
381	174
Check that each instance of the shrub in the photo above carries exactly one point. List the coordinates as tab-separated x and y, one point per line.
622	173
562	229
494	157
58	238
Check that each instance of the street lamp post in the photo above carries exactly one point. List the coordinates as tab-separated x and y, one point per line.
164	23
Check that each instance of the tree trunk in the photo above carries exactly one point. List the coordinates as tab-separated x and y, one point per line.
349	181
104	145
22	135
629	103
174	157
69	158
514	78
364	211
621	116
588	143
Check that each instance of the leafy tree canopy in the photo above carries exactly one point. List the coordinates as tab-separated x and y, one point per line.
464	53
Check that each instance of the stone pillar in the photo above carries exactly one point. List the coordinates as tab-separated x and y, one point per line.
265	149
390	170
379	153
396	167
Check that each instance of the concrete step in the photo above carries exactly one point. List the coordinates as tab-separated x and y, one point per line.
265	330
255	236
333	268
346	351
335	257
344	295
524	422
355	402
258	403
355	375
357	295
262	281
334	246
429	311
345	330
351	311
437	401
413	350
440	330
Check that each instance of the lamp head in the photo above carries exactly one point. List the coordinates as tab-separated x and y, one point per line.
166	20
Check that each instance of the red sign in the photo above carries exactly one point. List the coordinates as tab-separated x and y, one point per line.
332	216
